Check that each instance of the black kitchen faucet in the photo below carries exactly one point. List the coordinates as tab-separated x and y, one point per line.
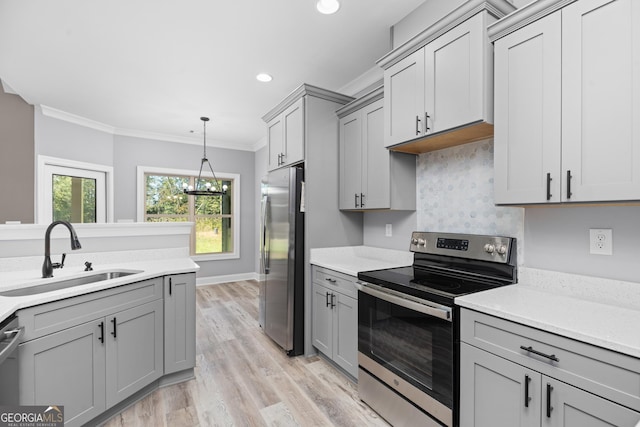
47	266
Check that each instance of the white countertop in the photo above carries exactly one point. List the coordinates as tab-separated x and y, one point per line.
601	312
137	260
353	259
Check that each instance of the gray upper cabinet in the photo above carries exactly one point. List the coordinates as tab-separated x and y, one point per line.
439	85
567	95
512	375
285	136
179	322
368	171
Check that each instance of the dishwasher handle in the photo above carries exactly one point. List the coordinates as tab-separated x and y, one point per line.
12	345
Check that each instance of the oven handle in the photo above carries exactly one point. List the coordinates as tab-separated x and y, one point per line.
435	310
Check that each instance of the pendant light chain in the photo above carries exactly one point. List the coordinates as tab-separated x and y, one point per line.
218	189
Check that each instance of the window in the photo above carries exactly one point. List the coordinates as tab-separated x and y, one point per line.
215	231
73	191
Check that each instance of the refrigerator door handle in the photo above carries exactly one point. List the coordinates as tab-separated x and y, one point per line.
263	250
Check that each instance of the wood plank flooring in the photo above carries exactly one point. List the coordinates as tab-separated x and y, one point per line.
244	379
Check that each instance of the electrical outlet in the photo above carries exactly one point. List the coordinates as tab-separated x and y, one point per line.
387	230
601	241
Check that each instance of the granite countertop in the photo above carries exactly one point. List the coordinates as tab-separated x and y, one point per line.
353	259
150	269
601	312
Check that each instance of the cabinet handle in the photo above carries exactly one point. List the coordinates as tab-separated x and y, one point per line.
426	122
361	200
569	193
115	331
101	337
548	356
549	186
549	407
327	299
333	300
417	125
356	200
170	286
527	399
330	280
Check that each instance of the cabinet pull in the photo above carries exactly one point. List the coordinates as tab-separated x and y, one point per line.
361	200
333	300
426	122
548	356
327	299
170	286
549	407
356	200
101	337
417	125
330	280
548	186
115	331
569	193
527	399
282	156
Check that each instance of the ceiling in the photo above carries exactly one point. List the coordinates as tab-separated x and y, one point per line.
156	66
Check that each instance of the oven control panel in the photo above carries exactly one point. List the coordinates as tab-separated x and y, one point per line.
473	246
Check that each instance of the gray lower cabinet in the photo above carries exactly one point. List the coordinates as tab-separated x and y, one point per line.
106	346
179	322
503	385
335	318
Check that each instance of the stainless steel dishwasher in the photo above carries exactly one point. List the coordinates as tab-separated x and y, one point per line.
10	335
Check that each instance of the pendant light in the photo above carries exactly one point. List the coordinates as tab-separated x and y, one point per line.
206	189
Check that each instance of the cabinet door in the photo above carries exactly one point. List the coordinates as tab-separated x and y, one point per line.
134	350
601	100
322	323
350	160
293	121
493	391
527	128
66	368
345	332
404	99
455	75
573	407
179	322
275	140
376	170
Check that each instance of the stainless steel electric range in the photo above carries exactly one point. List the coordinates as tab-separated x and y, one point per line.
408	324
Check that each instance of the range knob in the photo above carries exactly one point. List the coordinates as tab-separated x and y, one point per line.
489	248
422	242
414	241
502	249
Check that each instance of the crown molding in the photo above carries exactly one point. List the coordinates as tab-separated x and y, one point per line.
366	99
524	16
496	8
303	90
156	136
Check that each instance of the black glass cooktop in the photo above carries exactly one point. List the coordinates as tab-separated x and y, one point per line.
427	285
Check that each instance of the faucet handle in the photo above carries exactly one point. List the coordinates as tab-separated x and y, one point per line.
61	263
87	266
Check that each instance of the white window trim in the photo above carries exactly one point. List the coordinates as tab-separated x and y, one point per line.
41	182
235	207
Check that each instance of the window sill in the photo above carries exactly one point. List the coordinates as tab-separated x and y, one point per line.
215	257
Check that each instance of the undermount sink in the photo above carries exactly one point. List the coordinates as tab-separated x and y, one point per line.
68	283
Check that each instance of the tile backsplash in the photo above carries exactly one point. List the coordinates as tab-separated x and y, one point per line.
455	194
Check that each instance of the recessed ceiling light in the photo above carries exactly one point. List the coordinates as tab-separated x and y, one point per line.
328	6
264	77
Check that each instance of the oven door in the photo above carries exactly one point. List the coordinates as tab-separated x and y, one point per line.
407	344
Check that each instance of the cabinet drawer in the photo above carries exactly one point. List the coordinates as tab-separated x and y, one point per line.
52	317
600	371
335	281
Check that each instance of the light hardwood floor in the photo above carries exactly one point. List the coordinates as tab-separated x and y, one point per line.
244	379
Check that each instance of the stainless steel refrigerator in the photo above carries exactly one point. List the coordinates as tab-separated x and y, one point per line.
282	259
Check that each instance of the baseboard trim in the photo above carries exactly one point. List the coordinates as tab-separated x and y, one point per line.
214	280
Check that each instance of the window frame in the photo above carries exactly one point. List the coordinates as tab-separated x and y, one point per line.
47	166
142	171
